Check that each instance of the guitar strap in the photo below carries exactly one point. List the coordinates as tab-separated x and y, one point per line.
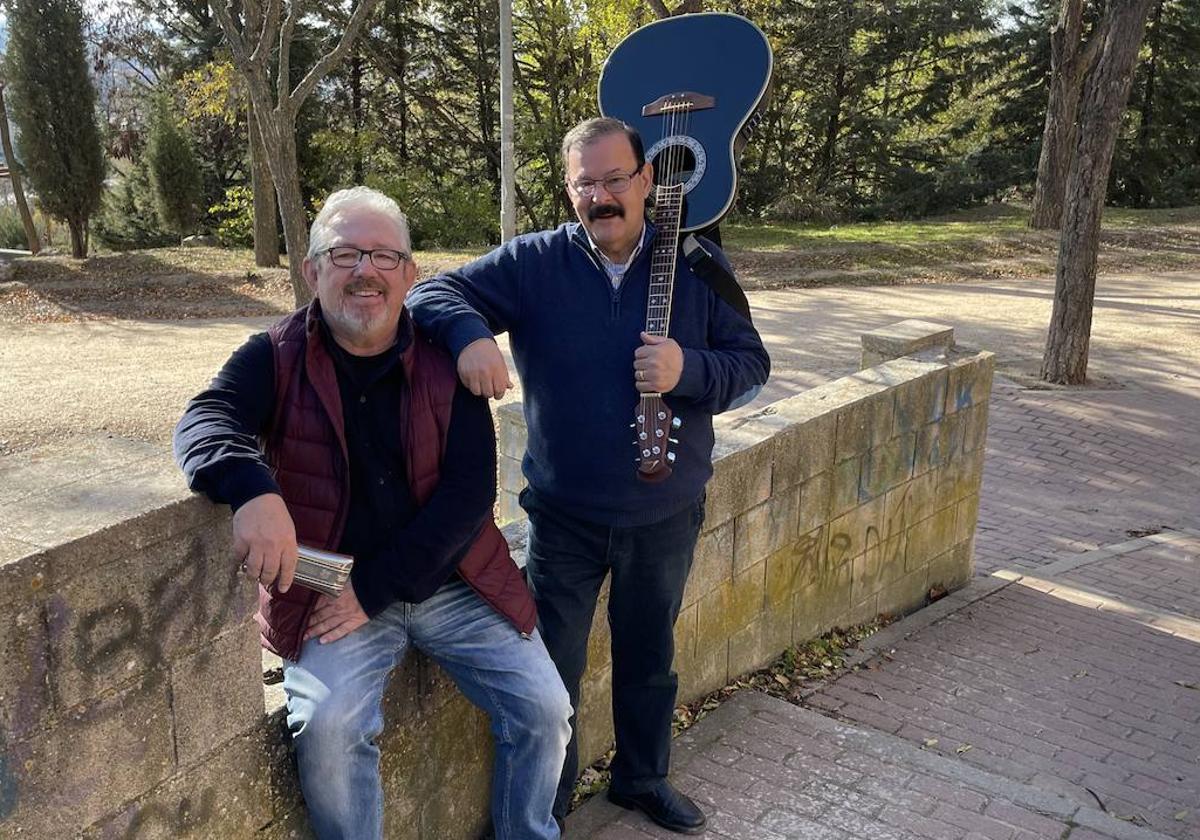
705	266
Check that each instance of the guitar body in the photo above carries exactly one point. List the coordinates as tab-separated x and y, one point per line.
718	56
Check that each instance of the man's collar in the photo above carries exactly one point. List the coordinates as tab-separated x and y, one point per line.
643	238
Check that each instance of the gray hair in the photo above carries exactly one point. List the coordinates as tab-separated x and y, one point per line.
346	201
589	131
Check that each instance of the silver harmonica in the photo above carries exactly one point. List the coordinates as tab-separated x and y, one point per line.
323	571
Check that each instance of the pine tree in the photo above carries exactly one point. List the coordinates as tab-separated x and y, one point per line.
53	105
174	171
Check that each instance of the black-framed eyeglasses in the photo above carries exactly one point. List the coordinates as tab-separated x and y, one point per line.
613	184
385	259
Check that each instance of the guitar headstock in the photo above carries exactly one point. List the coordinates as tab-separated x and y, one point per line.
652	436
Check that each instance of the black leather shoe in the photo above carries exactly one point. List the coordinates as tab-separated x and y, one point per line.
665	806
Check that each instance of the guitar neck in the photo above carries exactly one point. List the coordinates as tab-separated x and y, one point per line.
668	207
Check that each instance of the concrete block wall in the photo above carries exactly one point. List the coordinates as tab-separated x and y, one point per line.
131	701
131	692
130	686
825	509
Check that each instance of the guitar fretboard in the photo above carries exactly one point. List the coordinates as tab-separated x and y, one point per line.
668	207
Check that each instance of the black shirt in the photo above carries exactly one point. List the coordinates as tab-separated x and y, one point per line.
402	551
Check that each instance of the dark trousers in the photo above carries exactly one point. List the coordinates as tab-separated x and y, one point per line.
649	564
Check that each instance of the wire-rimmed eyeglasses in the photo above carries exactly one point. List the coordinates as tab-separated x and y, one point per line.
613	184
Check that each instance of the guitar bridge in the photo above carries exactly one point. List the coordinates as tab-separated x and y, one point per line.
671	103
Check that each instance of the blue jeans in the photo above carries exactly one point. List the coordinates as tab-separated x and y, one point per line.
568	561
334	712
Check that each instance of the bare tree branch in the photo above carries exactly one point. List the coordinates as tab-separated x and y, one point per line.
331	59
237	44
285	50
267	36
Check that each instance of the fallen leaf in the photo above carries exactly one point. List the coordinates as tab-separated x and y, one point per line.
1079	674
929	742
964	748
782	680
1181	816
1186	684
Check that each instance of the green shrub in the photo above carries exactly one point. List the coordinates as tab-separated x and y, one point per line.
128	218
174	170
234	217
12	231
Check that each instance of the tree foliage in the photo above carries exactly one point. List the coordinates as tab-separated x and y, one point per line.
53	105
878	109
174	170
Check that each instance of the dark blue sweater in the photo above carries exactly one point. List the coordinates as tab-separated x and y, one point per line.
573	338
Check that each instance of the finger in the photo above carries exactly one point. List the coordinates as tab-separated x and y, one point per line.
647	338
287	569
345	628
253	563
323	624
270	569
643	352
240	548
496	386
475	384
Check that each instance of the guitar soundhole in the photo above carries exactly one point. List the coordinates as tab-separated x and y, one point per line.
678	159
677	166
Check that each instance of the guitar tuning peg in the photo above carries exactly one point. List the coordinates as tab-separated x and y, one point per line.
673	440
671	457
676	423
633	425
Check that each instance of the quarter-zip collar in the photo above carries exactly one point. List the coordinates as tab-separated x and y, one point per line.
580	237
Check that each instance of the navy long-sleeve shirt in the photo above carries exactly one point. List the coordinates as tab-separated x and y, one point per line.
573	337
402	552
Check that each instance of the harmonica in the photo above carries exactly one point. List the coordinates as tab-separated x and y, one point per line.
323	571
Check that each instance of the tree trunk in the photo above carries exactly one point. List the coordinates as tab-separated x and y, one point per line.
78	238
1104	98
14	173
266	229
285	172
356	110
277	121
1141	171
1068	62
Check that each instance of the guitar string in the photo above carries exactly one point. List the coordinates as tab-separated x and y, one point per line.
674	125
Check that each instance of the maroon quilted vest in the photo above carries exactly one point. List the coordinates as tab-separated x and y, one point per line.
306	448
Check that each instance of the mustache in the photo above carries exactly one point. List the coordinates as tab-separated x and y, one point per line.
364	286
604	211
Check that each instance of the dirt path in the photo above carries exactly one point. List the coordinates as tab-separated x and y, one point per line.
132	378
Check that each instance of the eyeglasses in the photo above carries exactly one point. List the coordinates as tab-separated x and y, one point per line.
613	184
347	256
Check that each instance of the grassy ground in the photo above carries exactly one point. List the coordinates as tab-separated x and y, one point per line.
983	242
991	241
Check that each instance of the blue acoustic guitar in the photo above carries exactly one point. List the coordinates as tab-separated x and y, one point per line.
692	86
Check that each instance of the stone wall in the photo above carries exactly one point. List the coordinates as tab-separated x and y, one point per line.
131	701
825	509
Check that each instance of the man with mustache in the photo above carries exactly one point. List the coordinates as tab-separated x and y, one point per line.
343	428
573	301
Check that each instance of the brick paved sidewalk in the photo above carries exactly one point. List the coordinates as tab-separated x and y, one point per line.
1042	706
764	769
1083	678
1069	471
